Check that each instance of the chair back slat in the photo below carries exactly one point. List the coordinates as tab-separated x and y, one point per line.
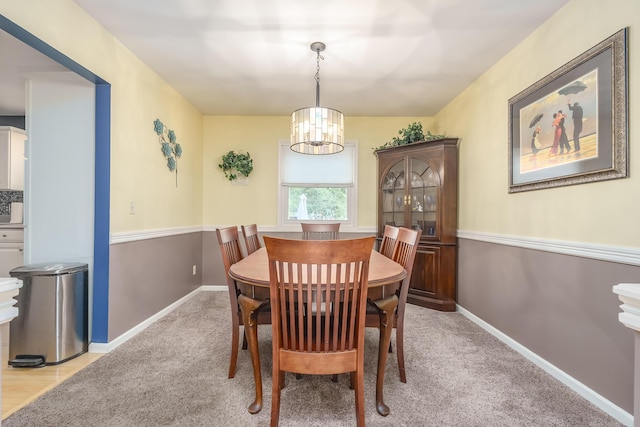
406	247
251	239
320	231
389	237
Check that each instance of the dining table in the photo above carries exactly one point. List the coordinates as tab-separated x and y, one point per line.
251	276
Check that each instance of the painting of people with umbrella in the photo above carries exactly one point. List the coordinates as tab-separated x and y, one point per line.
566	125
559	128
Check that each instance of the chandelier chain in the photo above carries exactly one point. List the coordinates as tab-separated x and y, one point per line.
317	77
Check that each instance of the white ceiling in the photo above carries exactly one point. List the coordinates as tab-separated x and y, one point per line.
383	57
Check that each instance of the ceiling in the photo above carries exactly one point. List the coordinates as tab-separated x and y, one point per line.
253	57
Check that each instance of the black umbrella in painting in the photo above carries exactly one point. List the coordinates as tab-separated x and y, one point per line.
573	88
535	120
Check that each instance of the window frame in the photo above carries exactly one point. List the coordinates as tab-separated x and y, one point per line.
286	224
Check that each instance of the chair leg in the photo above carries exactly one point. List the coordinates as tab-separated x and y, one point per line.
235	332
278	377
400	348
359	395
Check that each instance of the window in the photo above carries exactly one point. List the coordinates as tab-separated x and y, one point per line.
316	188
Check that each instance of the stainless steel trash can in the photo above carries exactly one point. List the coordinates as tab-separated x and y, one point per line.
52	324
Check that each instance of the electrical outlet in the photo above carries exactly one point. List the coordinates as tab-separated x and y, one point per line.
194	269
132	208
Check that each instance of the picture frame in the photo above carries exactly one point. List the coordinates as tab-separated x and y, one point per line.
584	101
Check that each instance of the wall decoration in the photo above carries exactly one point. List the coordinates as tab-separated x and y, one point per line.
169	145
571	126
235	164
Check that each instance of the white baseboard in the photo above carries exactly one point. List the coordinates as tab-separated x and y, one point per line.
607	406
111	345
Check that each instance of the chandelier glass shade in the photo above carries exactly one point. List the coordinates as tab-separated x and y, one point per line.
317	130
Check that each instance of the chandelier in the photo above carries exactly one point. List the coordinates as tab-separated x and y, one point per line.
317	130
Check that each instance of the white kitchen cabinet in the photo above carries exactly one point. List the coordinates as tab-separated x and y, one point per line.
11	249
12	158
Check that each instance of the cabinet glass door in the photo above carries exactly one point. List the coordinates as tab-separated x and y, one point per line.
394	195
424	197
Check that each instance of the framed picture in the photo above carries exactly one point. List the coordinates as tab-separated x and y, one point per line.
571	126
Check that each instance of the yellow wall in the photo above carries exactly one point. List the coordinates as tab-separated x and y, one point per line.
478	117
604	212
227	204
138	96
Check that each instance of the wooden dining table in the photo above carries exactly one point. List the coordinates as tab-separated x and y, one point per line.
251	276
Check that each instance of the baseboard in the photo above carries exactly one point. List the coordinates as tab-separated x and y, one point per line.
604	404
111	345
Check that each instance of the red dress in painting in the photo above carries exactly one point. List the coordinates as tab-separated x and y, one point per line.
556	134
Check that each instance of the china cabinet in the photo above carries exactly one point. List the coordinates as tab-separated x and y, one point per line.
418	189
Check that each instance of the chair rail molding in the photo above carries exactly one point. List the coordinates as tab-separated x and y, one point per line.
619	254
132	236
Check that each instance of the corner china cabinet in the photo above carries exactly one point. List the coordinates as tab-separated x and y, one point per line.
418	189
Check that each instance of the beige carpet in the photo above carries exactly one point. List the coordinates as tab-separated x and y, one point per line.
174	373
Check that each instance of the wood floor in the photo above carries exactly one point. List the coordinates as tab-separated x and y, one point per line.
23	385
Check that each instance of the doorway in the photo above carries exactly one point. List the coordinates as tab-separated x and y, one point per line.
99	293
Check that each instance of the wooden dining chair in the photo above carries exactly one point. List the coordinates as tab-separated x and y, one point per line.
388	243
320	231
232	253
404	254
306	276
251	240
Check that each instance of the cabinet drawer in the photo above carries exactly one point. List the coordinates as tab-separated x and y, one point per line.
11	235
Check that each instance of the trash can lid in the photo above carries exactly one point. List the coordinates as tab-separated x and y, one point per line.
48	269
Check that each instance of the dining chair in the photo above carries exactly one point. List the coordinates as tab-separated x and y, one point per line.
388	243
320	231
232	253
318	292
404	254
251	240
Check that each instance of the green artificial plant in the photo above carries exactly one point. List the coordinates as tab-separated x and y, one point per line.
235	164
408	135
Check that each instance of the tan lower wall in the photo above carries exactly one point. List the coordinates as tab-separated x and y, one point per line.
560	307
146	276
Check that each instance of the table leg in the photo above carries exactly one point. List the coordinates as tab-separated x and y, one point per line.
249	308
386	310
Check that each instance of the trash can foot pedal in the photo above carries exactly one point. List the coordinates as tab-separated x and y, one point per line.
27	361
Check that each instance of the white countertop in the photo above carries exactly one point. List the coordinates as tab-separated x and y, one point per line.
11	225
9	288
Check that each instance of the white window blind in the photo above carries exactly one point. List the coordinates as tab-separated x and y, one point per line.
333	170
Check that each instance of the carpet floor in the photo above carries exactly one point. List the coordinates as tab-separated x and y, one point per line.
174	373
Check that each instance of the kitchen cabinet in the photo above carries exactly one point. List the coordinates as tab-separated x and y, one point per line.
417	188
11	249
12	158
